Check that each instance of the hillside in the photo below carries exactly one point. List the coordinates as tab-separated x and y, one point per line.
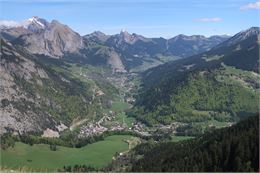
233	149
217	85
40	92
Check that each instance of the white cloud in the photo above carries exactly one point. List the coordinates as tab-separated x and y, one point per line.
251	6
9	23
214	19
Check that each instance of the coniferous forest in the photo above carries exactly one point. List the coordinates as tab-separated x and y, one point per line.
233	149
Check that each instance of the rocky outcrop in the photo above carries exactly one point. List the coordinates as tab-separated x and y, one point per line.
55	41
112	58
18	109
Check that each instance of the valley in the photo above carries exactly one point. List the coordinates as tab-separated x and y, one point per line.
102	102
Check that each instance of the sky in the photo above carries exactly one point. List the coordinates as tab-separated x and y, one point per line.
151	18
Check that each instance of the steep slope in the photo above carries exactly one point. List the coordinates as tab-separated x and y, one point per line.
220	84
55	40
39	93
233	149
16	105
111	58
11	34
97	37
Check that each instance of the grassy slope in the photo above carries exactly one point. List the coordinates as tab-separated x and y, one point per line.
40	158
199	96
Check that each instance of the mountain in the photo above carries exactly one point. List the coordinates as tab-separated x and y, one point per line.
97	37
242	49
185	46
233	149
217	85
243	35
41	93
55	40
31	25
125	39
112	58
35	24
136	52
180	45
41	37
11	34
16	105
245	52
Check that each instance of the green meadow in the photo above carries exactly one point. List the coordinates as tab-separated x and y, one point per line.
39	157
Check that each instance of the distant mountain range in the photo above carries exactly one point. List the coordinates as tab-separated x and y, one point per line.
122	52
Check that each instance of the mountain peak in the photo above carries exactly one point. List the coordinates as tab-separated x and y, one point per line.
55	22
98	33
124	33
131	38
52	39
252	31
33	18
243	35
125	36
96	36
35	24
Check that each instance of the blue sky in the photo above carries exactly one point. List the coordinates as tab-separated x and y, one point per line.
151	18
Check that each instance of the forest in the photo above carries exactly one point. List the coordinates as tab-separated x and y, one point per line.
231	149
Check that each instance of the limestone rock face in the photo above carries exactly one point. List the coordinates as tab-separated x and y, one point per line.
55	40
112	58
18	108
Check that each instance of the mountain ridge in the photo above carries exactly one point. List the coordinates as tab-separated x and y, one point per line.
134	51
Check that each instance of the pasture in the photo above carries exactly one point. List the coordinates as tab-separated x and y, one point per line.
39	157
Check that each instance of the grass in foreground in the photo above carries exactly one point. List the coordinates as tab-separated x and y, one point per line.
39	157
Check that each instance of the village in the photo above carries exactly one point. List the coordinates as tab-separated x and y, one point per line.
95	128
